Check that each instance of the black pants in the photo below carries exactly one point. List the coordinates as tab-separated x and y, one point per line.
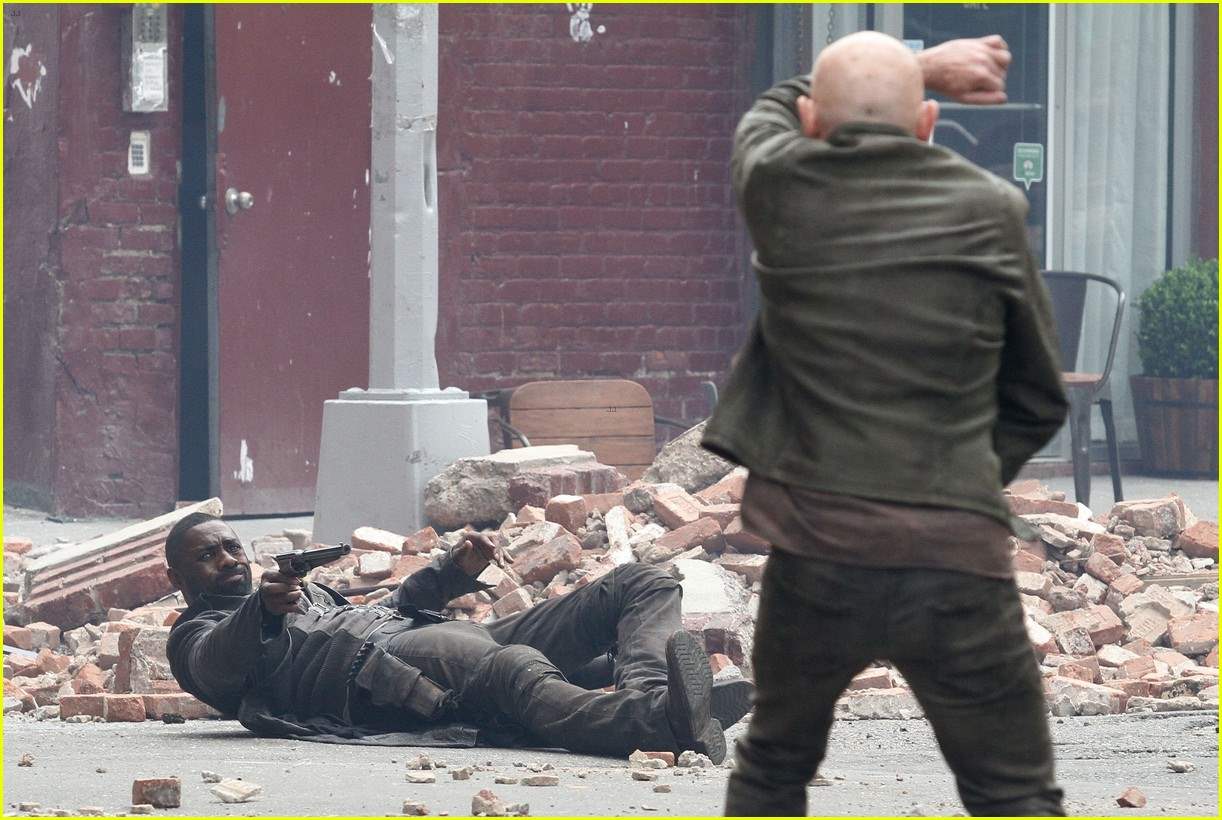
958	639
514	671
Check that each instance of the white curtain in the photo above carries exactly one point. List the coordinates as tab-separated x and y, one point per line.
1117	86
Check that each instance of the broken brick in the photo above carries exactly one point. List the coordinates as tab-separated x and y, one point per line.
374	566
517	601
744	541
1133	688
88	680
703	532
49	661
531	515
158	792
1112	655
122	709
1069	696
1158	518
1041	639
405	565
1110	546
17	546
878	677
1025	505
1136	668
421	542
142	663
183	705
1099	621
377	540
1024	561
1193	634
541	563
676	508
723	514
19	637
728	490
1090	588
1199	541
718	662
602	502
1033	583
12	690
500	581
750	567
1127	584
108	650
1102	567
43	635
1131	798
536	486
92	705
1075	641
569	511
1077	671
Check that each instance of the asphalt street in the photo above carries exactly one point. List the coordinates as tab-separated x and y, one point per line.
876	767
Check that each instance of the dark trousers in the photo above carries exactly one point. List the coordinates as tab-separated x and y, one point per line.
515	671
958	639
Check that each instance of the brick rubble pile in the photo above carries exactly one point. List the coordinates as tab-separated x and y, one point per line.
1121	608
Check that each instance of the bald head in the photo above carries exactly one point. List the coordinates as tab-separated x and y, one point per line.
867	77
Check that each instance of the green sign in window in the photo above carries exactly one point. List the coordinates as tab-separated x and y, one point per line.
1028	163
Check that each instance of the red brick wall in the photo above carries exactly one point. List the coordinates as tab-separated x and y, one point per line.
116	427
587	223
30	257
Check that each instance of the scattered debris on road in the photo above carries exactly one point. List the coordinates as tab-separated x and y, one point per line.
1131	798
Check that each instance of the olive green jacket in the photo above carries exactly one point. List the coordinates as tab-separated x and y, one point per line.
904	348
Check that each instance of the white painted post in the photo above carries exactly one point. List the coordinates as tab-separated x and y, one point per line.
381	446
403	186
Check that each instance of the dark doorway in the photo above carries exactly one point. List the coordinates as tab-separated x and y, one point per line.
195	473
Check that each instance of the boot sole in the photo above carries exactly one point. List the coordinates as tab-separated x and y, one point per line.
730	701
688	666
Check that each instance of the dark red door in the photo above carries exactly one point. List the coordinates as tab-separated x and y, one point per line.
292	273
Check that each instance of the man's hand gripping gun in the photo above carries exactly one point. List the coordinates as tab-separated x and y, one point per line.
298	563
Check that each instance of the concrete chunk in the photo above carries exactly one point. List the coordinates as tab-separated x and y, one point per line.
684	462
236	791
476	490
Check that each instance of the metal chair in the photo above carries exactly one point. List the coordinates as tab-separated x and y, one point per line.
1068	291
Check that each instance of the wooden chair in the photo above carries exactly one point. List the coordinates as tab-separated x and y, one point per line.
1068	292
612	418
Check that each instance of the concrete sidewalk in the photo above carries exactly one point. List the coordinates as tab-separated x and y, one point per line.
1201	497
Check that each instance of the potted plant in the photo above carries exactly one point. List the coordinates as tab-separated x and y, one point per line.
1175	400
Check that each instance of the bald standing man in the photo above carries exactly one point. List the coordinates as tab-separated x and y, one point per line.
901	369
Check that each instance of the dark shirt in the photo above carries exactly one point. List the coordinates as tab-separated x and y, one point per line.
904	349
848	529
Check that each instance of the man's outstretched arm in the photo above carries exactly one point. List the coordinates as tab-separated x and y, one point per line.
966	70
448	577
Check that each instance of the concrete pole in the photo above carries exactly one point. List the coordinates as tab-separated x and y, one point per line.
403	213
381	446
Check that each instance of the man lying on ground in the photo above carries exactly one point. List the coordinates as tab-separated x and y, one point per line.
295	658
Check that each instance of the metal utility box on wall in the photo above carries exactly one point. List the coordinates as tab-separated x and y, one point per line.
144	58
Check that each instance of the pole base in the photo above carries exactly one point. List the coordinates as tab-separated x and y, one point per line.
380	448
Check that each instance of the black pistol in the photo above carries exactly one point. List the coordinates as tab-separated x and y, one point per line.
299	562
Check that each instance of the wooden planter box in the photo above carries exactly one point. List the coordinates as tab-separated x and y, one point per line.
1177	425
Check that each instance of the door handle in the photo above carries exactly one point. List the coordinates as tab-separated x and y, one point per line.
236	200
